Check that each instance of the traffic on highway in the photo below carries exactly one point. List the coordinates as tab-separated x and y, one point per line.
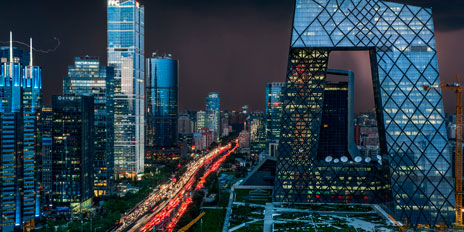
164	206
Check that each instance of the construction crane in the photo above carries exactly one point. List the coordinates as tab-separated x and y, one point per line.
457	88
185	228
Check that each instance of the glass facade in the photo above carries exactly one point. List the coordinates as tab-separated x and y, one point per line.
72	153
413	143
213	113
162	104
126	55
87	78
20	99
257	132
44	157
273	112
201	120
334	122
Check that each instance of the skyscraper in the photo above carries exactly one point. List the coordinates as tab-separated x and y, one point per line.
21	88
185	124
73	153
213	114
44	157
87	78
257	131
162	106
201	120
412	133
126	55
273	112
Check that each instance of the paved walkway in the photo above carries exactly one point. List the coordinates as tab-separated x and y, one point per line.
225	228
243	224
268	217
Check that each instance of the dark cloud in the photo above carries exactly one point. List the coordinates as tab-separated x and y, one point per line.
233	47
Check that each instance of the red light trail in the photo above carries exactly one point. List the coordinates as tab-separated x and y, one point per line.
183	197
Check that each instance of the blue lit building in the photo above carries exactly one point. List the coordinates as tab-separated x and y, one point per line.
162	106
213	113
412	132
126	55
87	78
273	113
20	98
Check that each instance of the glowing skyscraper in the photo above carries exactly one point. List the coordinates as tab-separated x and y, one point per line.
126	55
412	132
20	99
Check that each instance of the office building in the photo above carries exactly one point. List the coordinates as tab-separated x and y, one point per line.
162	108
201	120
21	88
72	153
87	78
126	56
44	157
185	124
213	114
273	113
412	132
257	129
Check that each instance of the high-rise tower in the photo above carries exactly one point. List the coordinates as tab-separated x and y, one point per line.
412	132
87	78
126	55
213	113
20	99
273	113
162	106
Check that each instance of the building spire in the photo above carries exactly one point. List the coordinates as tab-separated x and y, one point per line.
30	53
11	54
11	47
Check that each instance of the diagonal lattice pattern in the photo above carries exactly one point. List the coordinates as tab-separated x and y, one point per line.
411	121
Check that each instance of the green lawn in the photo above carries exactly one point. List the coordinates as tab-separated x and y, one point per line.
212	221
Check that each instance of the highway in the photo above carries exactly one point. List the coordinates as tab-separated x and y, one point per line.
166	218
156	210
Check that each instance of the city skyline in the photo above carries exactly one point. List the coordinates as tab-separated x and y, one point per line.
209	23
335	108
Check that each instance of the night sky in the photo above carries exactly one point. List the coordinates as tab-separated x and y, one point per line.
233	47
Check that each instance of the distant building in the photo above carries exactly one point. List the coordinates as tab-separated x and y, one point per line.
73	153
201	120
162	108
126	54
203	139
185	124
244	139
87	78
213	114
273	112
237	121
225	126
245	109
20	98
257	129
